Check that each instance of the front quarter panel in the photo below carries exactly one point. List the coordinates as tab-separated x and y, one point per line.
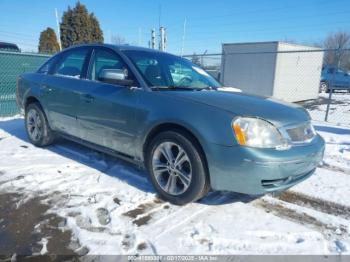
207	123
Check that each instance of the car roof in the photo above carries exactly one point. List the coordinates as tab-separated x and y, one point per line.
8	44
117	47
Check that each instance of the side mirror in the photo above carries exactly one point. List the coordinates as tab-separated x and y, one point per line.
115	76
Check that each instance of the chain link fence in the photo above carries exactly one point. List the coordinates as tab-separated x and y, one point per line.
317	79
11	66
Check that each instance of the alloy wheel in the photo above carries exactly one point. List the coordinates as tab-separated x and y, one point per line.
34	125
172	168
324	87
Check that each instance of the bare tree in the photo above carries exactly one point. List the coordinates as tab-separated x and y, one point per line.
338	41
118	40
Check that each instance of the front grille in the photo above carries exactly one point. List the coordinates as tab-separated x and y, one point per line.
302	133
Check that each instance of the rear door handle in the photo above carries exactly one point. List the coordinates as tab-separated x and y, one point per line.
88	98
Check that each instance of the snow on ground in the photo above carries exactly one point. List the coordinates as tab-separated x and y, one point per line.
339	110
111	208
327	185
337	145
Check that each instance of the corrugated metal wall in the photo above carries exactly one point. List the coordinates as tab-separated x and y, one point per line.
248	67
12	65
282	70
297	75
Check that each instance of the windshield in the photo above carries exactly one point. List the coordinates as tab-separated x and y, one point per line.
162	70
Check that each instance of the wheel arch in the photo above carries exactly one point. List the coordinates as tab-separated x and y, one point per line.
31	99
169	126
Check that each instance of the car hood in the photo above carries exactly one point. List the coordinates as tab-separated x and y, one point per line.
240	104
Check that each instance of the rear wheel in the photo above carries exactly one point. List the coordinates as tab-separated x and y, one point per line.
177	168
324	87
38	130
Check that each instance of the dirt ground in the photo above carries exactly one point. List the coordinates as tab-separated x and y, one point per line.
27	230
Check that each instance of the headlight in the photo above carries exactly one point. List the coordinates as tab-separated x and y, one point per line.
255	132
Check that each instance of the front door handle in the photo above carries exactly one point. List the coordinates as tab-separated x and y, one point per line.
46	88
88	98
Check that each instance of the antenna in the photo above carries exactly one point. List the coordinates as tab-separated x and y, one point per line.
159	14
58	29
202	62
110	36
139	40
183	38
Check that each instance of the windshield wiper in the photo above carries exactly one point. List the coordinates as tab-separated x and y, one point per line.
205	88
171	87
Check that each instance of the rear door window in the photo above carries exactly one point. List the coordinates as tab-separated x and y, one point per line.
71	64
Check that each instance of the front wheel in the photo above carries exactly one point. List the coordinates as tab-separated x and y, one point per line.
38	130
177	168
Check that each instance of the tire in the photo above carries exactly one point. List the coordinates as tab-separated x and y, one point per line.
324	88
190	172
35	119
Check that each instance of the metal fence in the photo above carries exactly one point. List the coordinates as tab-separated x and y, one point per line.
317	79
11	66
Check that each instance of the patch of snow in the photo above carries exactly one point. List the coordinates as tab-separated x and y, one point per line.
44	242
337	138
339	110
229	89
326	185
111	208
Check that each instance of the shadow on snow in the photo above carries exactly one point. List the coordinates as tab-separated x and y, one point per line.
113	166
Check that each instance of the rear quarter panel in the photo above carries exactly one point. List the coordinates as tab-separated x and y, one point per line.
29	86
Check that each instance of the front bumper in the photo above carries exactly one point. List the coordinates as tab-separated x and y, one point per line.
258	171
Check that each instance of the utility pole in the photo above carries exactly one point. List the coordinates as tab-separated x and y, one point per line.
183	38
153	38
162	39
165	39
58	29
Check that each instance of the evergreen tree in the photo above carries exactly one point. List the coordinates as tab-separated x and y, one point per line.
79	27
48	41
96	32
66	28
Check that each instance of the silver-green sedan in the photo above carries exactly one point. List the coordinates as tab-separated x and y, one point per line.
169	116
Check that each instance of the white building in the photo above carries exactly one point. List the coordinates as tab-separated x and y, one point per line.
268	69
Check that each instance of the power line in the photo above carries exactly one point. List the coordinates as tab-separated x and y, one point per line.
285	19
213	35
17	34
266	11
